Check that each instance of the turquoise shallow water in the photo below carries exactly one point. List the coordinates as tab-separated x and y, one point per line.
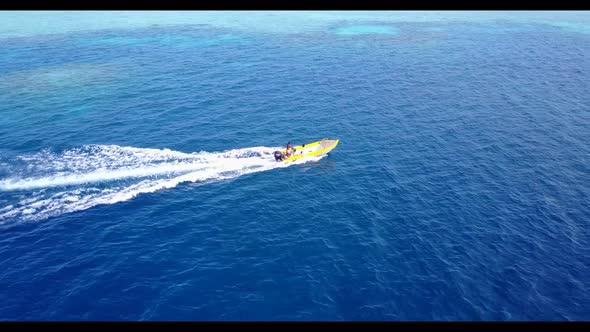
137	180
366	30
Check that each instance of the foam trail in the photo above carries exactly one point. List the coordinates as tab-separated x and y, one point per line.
51	184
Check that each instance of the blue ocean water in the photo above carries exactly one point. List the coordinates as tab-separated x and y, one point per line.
137	180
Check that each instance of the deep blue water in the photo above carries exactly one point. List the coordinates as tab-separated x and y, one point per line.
137	181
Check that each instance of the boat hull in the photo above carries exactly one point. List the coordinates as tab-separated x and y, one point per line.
312	149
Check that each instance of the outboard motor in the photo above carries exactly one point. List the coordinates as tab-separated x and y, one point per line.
279	156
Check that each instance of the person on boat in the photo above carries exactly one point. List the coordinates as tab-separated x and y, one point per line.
288	150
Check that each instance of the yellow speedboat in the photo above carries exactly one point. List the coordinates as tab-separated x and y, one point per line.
307	150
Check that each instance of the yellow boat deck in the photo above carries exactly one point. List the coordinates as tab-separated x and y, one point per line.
311	149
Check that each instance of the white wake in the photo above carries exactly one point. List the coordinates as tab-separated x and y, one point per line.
47	184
